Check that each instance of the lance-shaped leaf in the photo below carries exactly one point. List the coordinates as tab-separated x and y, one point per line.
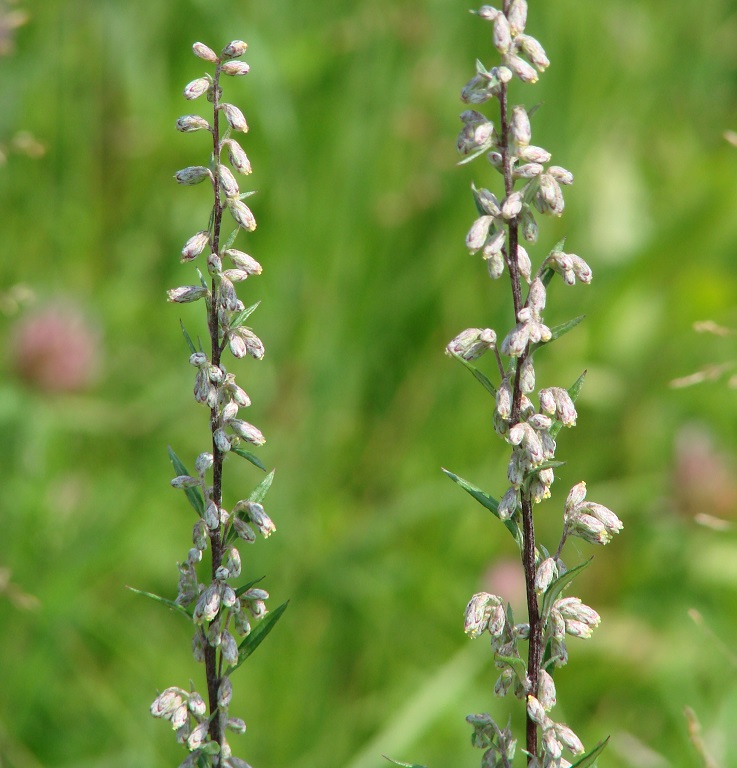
487	501
561	583
556	332
590	758
259	492
404	765
258	635
242	589
480	376
168	603
241	318
194	495
188	339
249	457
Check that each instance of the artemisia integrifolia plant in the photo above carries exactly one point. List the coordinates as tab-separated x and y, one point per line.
229	619
526	418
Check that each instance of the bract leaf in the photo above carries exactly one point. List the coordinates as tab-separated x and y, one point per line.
194	495
258	635
562	582
168	603
589	759
249	457
480	376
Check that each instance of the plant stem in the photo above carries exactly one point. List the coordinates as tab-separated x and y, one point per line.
534	658
216	539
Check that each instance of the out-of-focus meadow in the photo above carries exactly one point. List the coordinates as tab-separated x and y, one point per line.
353	108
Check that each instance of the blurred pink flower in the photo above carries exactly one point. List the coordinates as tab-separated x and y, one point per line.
55	349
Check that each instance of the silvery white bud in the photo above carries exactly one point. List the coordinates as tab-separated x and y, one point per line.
230	411
236	275
215	374
546	691
504	398
238	158
551	746
235	117
167	701
242	214
244	530
561	175
244	261
529	225
527	376
221	441
515	469
198	736
247	431
203	52
516	340
228	296
225	692
193	174
196	88
503	683
235	68
496	160
532	154
502	36
573	608
237	346
546	572
471	343
179	717
199	534
195	245
536	296
184	481
539	490
260	519
495	265
487	201
229	648
191	123
512	205
186	294
517	16
497	620
604	515
476	618
494	244
521	130
580	268
478	233
257	609
509	503
525	72
236	725
535	710
227	182
233	562
569	739
550	197
588	528
203	462
533	51
234	49
578	629
212	516
199	643
578	493
527	171
196	704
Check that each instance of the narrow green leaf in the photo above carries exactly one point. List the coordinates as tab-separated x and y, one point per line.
473	156
249	457
589	759
168	603
517	664
259	492
547	275
188	339
246	587
561	583
478	375
231	239
244	195
558	247
203	282
487	501
557	331
258	635
404	765
194	495
241	317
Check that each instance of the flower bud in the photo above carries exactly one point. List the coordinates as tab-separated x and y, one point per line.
535	710
561	175
529	225
471	343
193	174
229	648
199	535
196	704
196	88
195	245
167	702
184	481
244	530
234	49
580	268
477	614
203	462
221	441
191	123
534	52
509	503
512	205
179	717
521	68
244	261
478	233
546	691
517	16
547	571
198	736
569	739
227	182
235	117
186	294
235	68
521	130
532	154
502	36
238	158
203	52
242	214
247	431
236	725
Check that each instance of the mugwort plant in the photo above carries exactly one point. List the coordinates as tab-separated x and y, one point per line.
229	619
527	418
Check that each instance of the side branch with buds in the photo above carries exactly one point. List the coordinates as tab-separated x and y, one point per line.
530	187
221	611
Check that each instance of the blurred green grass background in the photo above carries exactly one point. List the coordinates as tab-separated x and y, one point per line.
353	108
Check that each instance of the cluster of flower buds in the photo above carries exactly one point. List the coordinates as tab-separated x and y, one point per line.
531	187
222	613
